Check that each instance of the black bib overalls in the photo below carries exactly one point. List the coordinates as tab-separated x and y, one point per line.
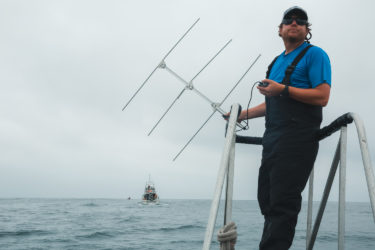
289	151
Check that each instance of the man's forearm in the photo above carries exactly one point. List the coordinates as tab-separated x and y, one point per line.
257	111
318	96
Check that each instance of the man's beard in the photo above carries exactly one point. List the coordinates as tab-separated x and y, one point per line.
295	39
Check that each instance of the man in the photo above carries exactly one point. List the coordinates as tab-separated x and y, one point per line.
293	105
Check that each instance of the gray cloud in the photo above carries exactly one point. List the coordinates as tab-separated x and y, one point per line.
67	68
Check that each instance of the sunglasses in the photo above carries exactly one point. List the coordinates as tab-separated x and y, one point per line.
299	21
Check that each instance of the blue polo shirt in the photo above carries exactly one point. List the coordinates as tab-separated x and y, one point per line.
313	69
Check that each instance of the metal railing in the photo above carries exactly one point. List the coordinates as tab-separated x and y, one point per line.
340	157
226	170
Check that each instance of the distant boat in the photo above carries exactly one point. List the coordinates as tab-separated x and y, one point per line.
149	194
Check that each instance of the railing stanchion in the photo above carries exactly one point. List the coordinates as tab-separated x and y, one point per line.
323	203
342	184
229	189
310	207
225	160
366	160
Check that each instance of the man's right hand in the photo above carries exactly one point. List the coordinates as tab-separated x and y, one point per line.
226	116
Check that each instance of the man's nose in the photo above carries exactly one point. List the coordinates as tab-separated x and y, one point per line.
294	22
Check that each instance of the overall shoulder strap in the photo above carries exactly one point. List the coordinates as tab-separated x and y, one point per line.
270	67
290	69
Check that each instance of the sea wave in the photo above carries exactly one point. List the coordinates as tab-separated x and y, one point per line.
181	227
327	237
96	235
187	241
129	219
362	238
90	204
22	233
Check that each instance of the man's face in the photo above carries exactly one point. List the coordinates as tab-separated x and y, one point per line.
293	32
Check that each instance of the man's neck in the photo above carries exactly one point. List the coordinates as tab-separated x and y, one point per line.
290	46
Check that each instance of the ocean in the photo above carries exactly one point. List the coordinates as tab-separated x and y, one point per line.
173	224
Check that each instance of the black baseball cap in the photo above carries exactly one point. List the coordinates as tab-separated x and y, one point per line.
295	11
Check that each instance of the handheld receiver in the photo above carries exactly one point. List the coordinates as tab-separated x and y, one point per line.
263	84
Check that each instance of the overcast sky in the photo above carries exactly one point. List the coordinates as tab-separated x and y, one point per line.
67	68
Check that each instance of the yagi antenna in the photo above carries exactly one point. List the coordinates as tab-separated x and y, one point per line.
189	86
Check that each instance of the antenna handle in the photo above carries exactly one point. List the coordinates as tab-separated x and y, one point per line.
226	116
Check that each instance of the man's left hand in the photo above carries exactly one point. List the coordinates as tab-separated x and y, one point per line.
273	88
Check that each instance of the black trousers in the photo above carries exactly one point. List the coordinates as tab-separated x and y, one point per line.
285	169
